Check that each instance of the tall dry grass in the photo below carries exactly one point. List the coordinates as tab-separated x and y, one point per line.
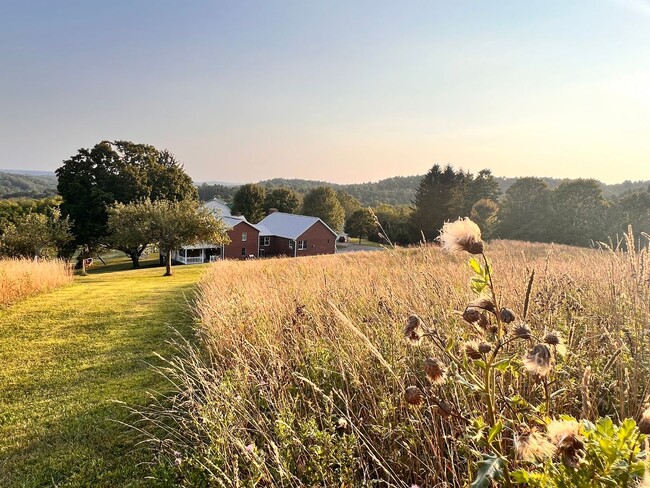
23	277
303	365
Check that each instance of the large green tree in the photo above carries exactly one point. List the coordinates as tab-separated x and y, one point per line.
580	212
119	171
249	201
441	196
361	223
323	202
174	224
526	211
283	199
130	228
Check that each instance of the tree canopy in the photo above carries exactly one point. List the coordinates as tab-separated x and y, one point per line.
282	199
249	201
323	202
121	172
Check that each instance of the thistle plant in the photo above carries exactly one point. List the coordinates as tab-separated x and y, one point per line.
510	367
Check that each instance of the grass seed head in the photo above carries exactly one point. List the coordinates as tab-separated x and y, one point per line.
413	395
461	235
539	361
435	370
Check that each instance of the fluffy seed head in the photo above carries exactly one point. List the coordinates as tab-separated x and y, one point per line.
507	315
461	235
413	330
413	395
521	332
539	361
565	435
553	338
435	370
531	445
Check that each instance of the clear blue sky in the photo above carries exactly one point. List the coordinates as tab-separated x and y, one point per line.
344	91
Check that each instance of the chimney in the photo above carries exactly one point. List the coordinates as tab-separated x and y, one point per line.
272	210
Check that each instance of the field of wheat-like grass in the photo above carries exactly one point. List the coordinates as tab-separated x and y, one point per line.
24	277
303	363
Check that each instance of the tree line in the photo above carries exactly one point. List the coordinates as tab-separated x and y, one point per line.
115	195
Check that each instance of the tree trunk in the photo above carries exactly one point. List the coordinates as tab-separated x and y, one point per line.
359	238
136	260
168	263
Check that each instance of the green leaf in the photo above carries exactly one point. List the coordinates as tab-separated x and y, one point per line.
489	468
495	431
476	266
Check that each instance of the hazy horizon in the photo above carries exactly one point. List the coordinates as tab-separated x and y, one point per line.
344	92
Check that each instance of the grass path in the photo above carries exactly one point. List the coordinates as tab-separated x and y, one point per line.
66	356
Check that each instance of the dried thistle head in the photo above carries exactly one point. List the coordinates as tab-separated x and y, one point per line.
539	361
531	445
553	338
521	332
413	330
471	315
435	370
483	321
644	423
482	303
507	315
470	348
565	434
413	395
461	235
484	348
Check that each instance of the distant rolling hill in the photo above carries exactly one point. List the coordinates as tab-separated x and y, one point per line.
27	184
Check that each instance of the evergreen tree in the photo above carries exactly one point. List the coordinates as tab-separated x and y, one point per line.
323	202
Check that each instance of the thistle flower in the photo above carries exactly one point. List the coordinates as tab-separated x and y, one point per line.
470	348
413	330
521	332
565	434
462	235
435	370
413	395
539	360
644	423
507	315
471	315
531	445
483	321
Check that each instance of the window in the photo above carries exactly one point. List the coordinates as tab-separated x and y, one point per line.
290	244
243	252
266	241
302	245
244	236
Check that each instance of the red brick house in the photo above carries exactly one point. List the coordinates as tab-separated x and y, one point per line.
278	234
283	234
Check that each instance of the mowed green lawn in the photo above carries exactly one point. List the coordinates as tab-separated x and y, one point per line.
67	356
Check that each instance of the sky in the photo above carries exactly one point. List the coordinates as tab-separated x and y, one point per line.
343	91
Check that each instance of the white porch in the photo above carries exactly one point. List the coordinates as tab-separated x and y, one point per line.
198	254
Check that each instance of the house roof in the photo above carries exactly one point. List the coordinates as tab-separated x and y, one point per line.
219	207
233	220
290	226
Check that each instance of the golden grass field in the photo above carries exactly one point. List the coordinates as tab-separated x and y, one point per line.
303	365
20	278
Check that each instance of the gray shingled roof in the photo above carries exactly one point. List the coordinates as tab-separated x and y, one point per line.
290	226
